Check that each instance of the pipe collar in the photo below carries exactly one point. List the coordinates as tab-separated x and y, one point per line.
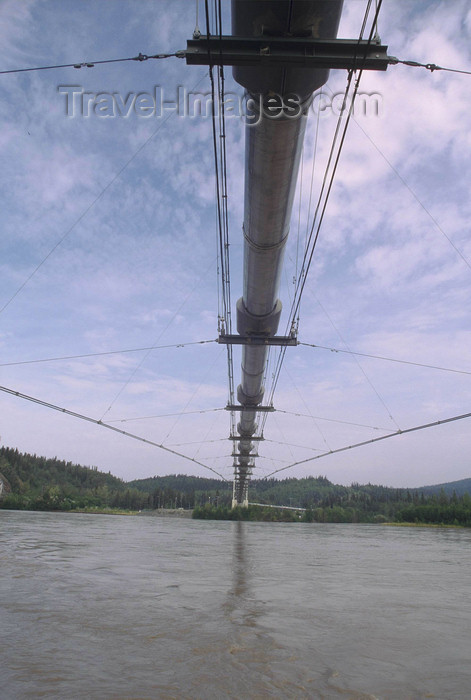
249	324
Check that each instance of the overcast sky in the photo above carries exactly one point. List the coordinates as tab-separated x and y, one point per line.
108	243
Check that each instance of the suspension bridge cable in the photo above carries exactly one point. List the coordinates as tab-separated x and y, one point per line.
321	433
330	420
181	53
302	447
90	206
138	367
91	64
429	66
378	395
281	434
209	370
223	169
408	187
388	359
299	211
218	197
311	245
196	32
195	442
216	165
377	439
312	241
166	415
273	459
230	361
365	20
312	176
311	188
220	164
104	354
88	419
314	238
224	456
208	431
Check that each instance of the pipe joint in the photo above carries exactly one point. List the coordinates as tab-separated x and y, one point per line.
249	402
250	324
246	434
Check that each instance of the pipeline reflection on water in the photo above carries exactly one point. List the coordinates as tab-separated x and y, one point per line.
239	564
242	607
116	607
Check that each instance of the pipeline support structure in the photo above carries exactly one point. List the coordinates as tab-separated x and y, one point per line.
273	147
281	52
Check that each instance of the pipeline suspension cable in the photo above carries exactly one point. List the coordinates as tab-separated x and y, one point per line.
91	64
405	431
387	359
103	354
429	66
218	123
89	419
84	213
329	175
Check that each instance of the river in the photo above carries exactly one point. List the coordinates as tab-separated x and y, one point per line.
120	607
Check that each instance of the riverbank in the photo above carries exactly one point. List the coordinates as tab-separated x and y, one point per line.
428	525
168	513
99	511
159	512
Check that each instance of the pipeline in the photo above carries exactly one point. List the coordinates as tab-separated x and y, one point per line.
274	138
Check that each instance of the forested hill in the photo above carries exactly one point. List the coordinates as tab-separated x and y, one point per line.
25	471
459	487
37	483
179	482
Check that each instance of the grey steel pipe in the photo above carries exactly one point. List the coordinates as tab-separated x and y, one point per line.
272	155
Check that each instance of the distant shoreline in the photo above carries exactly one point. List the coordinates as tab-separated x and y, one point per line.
434	525
188	514
168	513
158	512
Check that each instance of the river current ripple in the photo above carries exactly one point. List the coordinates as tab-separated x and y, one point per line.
120	607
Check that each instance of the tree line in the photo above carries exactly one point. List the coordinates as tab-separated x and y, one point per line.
36	483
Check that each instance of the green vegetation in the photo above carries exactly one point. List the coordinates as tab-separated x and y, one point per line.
209	512
37	483
441	511
459	487
180	491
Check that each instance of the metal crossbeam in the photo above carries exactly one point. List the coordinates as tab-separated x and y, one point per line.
242	437
258	340
237	407
299	52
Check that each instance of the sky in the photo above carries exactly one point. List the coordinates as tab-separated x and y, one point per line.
109	244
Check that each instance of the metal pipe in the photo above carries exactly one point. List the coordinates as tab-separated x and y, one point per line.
274	141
